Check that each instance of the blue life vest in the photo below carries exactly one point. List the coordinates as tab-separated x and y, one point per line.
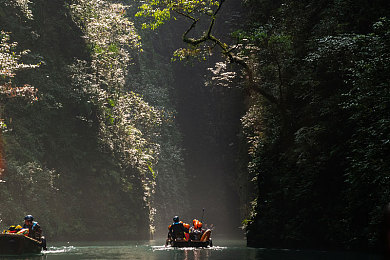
34	225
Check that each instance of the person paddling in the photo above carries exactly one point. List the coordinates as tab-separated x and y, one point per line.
196	231
34	230
177	229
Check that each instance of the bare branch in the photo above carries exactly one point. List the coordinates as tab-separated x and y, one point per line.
184	14
219	7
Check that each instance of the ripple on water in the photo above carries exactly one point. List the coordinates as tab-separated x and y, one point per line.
167	248
57	250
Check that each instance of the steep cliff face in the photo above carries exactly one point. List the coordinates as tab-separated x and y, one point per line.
313	153
85	151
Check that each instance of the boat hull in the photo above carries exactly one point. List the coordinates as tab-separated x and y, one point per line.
14	244
192	243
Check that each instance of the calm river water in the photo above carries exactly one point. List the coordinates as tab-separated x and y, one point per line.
154	250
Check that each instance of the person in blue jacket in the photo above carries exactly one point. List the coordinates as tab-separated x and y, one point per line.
177	230
34	230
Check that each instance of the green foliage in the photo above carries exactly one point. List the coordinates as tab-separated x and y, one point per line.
108	33
183	54
161	11
129	128
9	65
21	5
153	78
102	136
91	142
97	139
324	161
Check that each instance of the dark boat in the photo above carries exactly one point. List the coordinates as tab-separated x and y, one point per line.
16	244
190	243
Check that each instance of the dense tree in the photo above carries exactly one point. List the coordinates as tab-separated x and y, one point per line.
311	167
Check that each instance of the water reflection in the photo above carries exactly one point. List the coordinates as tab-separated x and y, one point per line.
154	250
189	253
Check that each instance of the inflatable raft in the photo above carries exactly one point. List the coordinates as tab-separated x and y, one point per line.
191	243
17	244
205	241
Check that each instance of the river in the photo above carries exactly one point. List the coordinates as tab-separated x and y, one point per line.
154	250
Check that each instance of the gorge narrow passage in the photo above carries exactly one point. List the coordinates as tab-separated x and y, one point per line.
209	118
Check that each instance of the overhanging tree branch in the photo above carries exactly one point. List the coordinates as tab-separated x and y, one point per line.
227	52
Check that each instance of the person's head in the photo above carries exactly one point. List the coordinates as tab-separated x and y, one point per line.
195	223
28	219
199	224
176	219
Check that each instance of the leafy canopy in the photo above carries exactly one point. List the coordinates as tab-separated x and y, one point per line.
163	10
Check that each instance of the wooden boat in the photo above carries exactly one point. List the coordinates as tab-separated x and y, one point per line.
17	244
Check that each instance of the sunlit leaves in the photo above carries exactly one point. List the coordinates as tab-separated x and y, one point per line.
110	35
9	57
22	5
183	54
9	65
128	126
161	11
133	132
221	75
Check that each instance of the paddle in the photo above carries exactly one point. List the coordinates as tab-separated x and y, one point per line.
201	220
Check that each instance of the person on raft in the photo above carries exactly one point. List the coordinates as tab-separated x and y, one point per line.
34	230
196	230
177	230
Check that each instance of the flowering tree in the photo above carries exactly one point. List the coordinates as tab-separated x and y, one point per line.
110	36
22	6
9	65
